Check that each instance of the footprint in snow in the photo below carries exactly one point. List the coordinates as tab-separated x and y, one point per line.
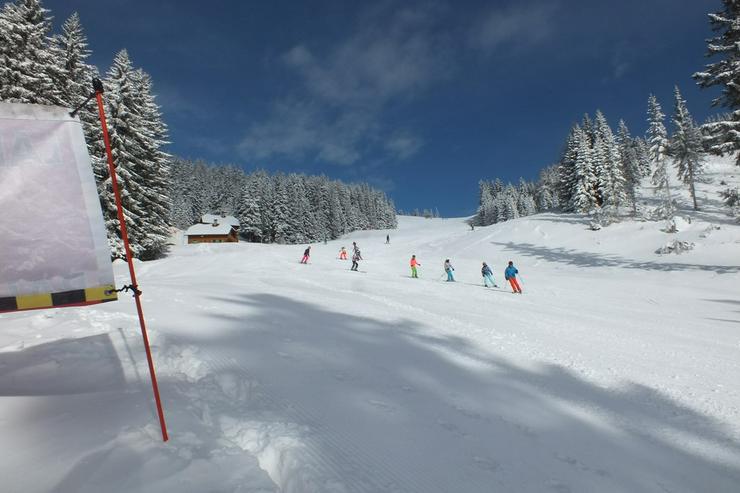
558	486
486	463
381	405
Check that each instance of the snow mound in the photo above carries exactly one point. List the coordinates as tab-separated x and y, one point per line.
675	246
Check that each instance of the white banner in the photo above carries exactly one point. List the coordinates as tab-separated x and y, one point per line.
53	245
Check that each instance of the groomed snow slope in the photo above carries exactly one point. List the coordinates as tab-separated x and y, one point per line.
616	371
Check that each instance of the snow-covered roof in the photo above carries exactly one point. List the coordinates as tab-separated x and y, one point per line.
208	229
209	218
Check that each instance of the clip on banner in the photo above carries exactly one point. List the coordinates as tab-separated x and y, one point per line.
54	249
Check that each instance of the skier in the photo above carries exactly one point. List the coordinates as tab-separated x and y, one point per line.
387	239
343	254
356	257
487	276
510	275
414	264
448	269
306	255
355	248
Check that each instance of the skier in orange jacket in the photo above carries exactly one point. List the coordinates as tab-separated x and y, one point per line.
414	264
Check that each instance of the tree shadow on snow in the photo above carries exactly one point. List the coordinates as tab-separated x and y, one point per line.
397	395
587	259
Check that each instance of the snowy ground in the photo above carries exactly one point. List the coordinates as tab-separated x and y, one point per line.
616	371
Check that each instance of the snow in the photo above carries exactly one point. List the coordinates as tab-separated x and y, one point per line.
209	229
210	218
615	371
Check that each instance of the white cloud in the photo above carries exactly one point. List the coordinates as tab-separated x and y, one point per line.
519	26
337	113
403	145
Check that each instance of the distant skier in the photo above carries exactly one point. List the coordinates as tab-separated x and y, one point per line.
343	254
414	264
387	239
487	276
510	275
356	257
449	269
306	255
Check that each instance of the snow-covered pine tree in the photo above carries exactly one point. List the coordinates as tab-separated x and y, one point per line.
589	129
609	169
123	123
583	198
526	205
643	156
686	146
525	200
154	169
724	136
248	212
183	190
136	135
72	78
630	164
486	208
657	138
26	64
546	196
567	166
281	226
510	208
298	208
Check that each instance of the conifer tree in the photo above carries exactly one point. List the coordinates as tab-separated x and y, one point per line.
630	164
583	198
657	138
248	212
566	167
72	78
510	208
686	146
609	169
136	136
643	156
724	136
26	64
154	169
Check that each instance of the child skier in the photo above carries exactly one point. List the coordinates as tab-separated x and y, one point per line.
414	264
343	254
306	255
510	275
356	257
487	276
448	269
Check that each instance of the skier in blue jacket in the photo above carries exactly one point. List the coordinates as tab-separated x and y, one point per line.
487	276
510	275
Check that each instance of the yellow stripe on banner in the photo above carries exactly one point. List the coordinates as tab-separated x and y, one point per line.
99	293
30	301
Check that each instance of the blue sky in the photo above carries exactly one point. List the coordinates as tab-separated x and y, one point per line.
421	99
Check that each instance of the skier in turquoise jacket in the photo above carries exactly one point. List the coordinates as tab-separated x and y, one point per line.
510	275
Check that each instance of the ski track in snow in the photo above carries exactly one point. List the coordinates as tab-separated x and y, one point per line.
616	370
